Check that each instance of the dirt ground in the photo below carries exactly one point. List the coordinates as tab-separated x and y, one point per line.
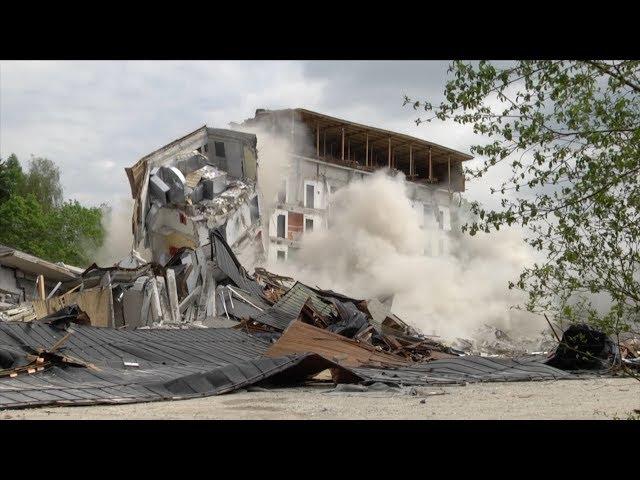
599	398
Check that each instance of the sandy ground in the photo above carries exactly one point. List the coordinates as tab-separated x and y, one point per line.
601	398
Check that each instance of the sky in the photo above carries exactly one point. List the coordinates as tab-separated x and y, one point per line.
94	118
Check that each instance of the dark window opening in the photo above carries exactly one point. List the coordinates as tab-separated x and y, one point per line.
308	225
254	210
310	189
281	229
281	255
220	150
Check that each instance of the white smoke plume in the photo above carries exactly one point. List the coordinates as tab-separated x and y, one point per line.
375	245
118	241
274	152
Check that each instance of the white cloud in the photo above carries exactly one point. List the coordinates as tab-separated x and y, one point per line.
93	118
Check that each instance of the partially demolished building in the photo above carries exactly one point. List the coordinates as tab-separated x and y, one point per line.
203	180
91	338
328	152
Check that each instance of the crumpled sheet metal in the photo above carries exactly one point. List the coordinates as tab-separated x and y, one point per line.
466	369
146	365
288	308
300	337
229	264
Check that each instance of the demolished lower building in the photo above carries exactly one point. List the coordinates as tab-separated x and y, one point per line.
25	278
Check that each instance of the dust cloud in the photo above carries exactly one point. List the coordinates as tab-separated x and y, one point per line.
273	168
375	245
118	242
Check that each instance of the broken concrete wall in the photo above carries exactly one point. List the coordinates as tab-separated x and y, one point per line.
182	194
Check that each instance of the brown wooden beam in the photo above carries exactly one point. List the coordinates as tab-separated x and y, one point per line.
367	152
449	175
324	153
410	159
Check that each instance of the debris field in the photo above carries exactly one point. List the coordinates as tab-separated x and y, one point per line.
192	322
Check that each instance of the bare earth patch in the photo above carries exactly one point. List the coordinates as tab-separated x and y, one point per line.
600	398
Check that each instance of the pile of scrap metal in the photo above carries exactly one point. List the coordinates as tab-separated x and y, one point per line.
131	294
278	308
59	360
281	334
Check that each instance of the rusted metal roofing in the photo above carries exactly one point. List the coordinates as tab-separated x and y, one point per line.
300	337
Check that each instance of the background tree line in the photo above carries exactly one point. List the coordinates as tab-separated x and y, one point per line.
34	217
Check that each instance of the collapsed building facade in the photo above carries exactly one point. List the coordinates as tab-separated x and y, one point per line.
326	153
181	191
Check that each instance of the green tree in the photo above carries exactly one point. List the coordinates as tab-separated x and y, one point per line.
570	133
70	233
11	177
43	181
24	225
35	219
78	233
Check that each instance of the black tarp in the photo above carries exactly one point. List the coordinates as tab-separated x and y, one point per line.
583	348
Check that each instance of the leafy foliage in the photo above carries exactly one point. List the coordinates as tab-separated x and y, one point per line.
570	132
43	181
11	177
34	218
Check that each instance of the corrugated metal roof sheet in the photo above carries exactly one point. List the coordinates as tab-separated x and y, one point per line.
293	301
288	308
466	369
229	264
171	364
274	317
300	337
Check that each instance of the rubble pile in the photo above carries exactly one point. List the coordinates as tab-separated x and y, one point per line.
494	342
188	198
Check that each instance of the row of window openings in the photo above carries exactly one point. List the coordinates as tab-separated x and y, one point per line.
219	148
310	197
281	254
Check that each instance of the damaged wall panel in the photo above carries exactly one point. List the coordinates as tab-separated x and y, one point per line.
95	302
